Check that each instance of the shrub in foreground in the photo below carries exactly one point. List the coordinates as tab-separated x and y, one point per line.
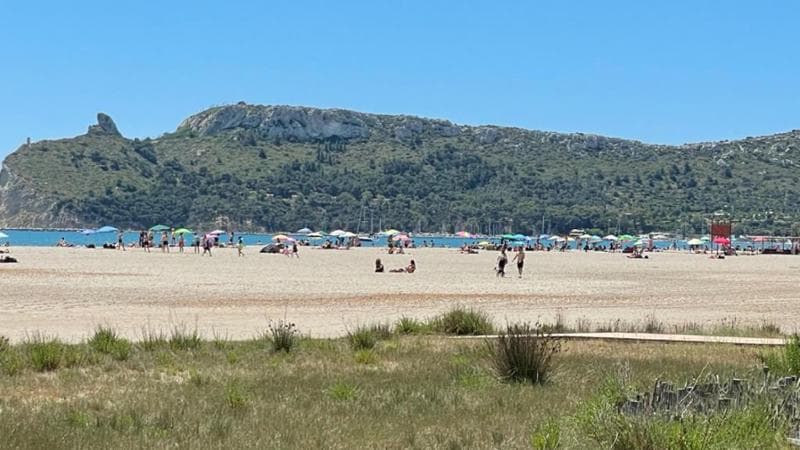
461	321
409	325
45	354
785	361
522	353
181	339
283	336
362	338
105	340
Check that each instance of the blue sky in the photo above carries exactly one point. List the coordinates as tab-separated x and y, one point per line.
680	71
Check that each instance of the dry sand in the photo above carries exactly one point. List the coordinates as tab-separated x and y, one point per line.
67	292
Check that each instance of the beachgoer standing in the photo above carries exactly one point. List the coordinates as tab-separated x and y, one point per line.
502	260
120	242
520	258
240	246
294	250
208	242
172	236
164	242
196	243
181	243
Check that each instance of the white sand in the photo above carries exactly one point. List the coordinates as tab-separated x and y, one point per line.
68	292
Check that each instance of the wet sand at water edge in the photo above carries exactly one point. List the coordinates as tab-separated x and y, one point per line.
67	292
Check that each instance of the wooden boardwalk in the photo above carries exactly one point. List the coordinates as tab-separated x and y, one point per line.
652	337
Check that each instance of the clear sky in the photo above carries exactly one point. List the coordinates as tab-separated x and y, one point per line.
663	72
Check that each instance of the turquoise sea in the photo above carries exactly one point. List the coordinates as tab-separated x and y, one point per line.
46	238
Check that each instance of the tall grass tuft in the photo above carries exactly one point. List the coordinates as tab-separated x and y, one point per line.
152	340
547	436
461	321
362	338
409	325
45	353
522	353
105	340
283	336
785	361
181	339
5	344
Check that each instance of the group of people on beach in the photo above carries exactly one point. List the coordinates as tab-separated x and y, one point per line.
502	261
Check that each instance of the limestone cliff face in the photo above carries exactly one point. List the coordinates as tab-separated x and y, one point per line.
302	124
283	122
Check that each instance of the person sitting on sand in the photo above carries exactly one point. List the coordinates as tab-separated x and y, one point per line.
7	259
378	266
62	243
410	268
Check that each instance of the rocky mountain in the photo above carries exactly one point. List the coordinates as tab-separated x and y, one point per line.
285	167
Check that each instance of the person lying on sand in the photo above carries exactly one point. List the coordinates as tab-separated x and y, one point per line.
410	268
7	259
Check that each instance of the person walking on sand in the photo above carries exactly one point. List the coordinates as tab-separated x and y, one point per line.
164	242
196	244
519	257
502	260
294	250
240	246
181	243
120	241
208	242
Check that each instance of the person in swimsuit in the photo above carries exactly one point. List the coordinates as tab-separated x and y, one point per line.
378	266
164	242
294	250
519	257
181	243
240	246
502	260
120	243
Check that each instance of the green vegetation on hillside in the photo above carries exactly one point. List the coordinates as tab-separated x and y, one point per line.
411	174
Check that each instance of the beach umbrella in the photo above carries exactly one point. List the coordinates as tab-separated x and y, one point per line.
390	232
626	237
544	236
280	237
660	237
558	238
304	231
349	234
337	233
520	237
721	240
181	231
705	238
106	229
595	239
159	228
585	236
401	237
695	242
484	243
316	235
610	237
509	236
216	232
463	234
3	235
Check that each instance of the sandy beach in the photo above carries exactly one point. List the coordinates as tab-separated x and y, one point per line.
67	292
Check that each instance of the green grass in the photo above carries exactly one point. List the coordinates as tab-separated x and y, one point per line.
463	321
410	392
106	340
